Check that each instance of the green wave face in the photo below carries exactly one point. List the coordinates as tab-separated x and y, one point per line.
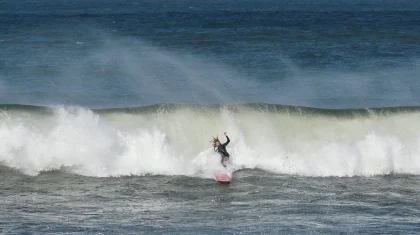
215	108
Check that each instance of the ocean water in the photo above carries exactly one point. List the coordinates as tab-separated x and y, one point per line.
107	109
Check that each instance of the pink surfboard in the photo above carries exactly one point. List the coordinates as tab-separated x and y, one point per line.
221	177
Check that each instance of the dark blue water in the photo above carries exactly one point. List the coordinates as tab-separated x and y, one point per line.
87	165
134	54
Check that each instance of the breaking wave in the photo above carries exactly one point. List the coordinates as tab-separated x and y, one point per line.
174	139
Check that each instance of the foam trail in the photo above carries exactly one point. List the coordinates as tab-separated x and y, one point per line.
175	142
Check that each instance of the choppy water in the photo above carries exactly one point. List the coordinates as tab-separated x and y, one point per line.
107	109
256	202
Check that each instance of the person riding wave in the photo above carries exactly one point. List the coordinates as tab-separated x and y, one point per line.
221	148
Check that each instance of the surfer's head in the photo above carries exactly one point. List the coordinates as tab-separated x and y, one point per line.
216	142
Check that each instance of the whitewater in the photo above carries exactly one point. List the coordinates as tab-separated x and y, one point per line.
174	140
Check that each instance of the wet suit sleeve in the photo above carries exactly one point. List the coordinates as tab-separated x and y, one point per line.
227	142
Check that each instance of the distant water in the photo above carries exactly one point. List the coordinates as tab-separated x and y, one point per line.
119	54
107	109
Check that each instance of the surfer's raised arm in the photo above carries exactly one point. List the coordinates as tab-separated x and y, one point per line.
228	140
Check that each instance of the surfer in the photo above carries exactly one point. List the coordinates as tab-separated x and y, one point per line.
221	148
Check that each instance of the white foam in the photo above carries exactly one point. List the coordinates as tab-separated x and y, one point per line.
177	143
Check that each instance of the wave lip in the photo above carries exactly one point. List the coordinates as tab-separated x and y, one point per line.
262	107
173	139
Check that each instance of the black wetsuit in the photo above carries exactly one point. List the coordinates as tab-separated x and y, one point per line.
222	150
